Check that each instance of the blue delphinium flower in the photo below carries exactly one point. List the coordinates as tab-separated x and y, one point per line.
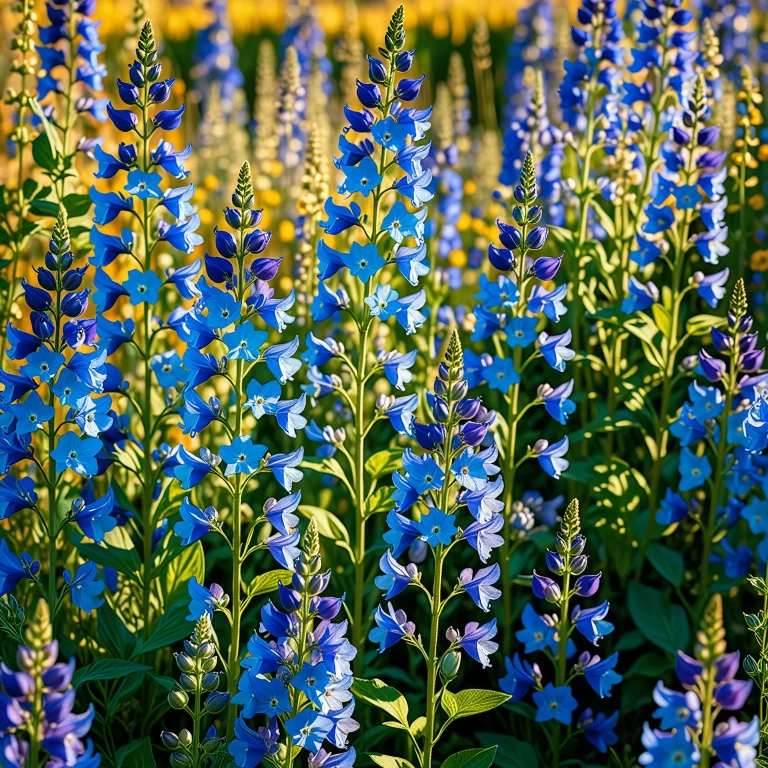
299	682
510	310
437	485
57	409
555	701
688	719
223	322
39	725
164	218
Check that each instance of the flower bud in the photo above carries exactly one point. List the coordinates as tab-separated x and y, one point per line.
750	666
449	667
170	740
452	635
216	702
187	682
403	61
586	586
180	760
178	699
579	564
185	738
555	562
184	662
210	681
440	410
377	71
545	588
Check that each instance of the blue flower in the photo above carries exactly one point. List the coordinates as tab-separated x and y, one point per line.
390	135
383	302
144	186
556	401
244	342
521	331
13	569
436	527
478	586
400	223
390	626
668	749
168	369
550	457
591	622
598	730
284	467
340	218
673	508
43	364
258	695
555	704
520	678
242	456
84	588
555	350
395	577
362	178
363	261
195	523
600	675
694	470
501	374
31	414
477	641
143	287
94	518
641	296
204	599
77	454
308	729
675	709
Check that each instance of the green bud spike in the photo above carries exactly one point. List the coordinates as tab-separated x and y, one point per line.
244	188
40	632
394	39
311	543
454	356
147	37
528	178
710	639
738	306
571	525
11	618
202	629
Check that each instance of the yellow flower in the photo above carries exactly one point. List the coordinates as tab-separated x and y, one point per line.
759	261
469	187
457	258
464	221
756	202
211	182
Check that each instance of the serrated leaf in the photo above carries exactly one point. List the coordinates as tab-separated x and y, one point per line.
107	669
383	696
267	582
471	758
384	462
328	525
664	624
511	752
668	562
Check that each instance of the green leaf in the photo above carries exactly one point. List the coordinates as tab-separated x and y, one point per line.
448	703
475	701
471	758
77	205
44	208
700	325
328	525
178	567
124	560
267	582
384	462
663	319
172	627
379	502
386	761
650	665
106	669
511	752
668	562
137	754
664	624
381	695
44	157
113	634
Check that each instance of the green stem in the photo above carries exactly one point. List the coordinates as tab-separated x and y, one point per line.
434	629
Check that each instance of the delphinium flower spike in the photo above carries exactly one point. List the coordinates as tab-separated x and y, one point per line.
39	726
294	689
56	411
718	450
157	217
689	190
384	249
196	693
689	733
235	380
453	475
509	313
14	199
551	635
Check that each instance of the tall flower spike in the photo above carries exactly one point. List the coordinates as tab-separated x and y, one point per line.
367	279
452	480
688	720
554	635
295	682
227	338
159	219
